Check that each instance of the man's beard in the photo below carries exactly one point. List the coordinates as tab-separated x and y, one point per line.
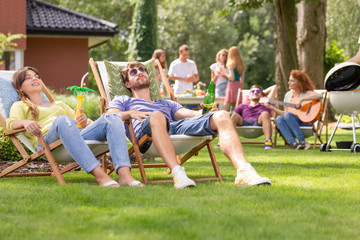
139	86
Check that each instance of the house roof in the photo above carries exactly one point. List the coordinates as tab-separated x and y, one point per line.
43	18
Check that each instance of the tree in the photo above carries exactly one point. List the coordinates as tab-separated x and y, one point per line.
6	44
286	54
311	39
143	37
286	59
341	25
205	31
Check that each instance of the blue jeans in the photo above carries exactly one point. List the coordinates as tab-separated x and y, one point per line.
109	127
289	126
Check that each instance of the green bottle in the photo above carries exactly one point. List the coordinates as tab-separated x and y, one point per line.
209	98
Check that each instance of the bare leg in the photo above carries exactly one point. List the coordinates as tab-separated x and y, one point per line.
264	120
236	119
101	177
161	139
230	143
125	177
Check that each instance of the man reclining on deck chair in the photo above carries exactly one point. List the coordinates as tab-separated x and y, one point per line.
254	114
162	118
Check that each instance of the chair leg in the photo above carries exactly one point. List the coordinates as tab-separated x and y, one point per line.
51	161
213	161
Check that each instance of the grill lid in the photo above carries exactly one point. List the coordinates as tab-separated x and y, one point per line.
343	77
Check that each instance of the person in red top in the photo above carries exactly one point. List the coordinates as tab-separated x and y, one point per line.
254	114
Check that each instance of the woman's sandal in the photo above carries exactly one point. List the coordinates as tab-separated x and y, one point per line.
111	184
136	183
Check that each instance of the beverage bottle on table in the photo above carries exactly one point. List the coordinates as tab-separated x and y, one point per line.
209	98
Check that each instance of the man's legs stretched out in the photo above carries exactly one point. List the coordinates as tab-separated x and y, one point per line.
231	147
164	146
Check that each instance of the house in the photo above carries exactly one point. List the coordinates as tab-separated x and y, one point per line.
58	39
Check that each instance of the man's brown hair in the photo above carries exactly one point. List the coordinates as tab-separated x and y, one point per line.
183	47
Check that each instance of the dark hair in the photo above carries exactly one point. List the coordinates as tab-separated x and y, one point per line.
129	66
183	47
304	80
259	87
17	80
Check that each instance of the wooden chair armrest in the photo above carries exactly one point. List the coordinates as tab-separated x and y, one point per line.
13	132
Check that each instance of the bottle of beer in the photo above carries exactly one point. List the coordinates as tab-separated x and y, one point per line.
209	98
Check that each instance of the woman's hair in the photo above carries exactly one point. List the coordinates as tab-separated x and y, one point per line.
219	53
303	79
156	55
234	59
17	81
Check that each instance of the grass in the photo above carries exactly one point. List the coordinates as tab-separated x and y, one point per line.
315	195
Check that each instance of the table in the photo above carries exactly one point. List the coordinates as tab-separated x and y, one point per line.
183	100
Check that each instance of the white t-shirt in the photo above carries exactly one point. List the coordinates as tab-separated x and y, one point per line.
182	70
214	67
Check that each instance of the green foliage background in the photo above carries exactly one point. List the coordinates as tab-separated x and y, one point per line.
143	37
201	24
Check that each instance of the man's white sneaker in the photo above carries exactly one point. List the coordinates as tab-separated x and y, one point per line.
181	180
249	176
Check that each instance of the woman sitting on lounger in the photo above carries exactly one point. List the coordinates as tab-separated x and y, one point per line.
301	89
56	121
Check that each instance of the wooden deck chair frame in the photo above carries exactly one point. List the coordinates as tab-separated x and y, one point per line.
53	152
136	144
316	129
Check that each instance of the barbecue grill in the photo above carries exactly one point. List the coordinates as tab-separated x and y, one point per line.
342	83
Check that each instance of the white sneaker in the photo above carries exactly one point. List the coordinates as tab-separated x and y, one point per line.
181	180
249	176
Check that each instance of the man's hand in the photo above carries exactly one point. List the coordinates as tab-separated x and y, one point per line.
215	107
135	114
32	127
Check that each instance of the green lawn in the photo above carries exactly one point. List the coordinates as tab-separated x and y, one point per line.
315	195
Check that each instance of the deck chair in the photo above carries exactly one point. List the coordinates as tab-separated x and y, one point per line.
54	153
247	131
105	73
316	129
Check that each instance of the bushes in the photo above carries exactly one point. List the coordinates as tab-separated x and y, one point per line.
7	149
91	104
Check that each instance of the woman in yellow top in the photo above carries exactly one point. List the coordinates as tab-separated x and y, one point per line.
56	121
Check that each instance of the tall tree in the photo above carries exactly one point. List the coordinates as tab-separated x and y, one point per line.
143	38
311	39
286	58
286	53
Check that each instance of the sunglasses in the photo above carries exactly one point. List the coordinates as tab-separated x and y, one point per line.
134	71
255	91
